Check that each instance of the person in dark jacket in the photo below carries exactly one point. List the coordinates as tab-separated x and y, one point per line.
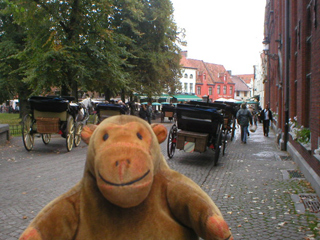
143	112
266	117
149	112
244	117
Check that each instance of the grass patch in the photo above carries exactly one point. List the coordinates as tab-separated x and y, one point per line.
10	118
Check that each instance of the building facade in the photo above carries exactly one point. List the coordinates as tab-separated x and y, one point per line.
292	79
250	81
210	81
243	91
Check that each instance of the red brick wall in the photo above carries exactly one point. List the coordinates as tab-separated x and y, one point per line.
304	99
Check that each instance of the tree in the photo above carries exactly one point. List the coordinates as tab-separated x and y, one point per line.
109	46
12	42
154	60
71	44
158	65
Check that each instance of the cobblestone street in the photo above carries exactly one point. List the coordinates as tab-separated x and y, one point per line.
252	185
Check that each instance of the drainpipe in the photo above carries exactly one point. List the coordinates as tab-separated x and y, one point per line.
287	71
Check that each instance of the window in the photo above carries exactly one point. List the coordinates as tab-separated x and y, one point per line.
218	89
238	93
199	90
230	90
210	90
185	87
224	90
204	76
191	76
191	88
245	94
307	85
185	75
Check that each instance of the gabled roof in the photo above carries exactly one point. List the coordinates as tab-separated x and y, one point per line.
246	77
215	72
218	72
240	85
187	63
199	65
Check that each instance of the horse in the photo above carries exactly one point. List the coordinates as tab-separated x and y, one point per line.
88	104
87	109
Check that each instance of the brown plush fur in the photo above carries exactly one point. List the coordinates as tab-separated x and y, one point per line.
129	192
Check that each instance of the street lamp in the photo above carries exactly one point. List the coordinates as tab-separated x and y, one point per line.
266	51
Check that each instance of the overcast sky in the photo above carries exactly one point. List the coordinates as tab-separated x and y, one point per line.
226	32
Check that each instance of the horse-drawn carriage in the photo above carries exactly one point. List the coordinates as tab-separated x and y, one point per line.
229	112
53	115
199	128
105	110
168	111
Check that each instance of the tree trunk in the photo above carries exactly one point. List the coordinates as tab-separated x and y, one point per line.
107	94
123	95
64	91
75	90
24	94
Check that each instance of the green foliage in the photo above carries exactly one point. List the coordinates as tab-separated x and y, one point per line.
299	133
12	42
303	135
154	61
94	45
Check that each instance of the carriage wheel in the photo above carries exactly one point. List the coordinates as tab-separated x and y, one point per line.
46	137
224	142
27	132
77	136
70	133
172	141
95	119
217	146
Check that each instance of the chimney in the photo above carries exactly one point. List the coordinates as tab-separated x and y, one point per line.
184	53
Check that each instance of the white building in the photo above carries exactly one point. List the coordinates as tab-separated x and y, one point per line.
188	80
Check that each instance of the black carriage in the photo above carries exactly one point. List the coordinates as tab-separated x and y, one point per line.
168	111
198	129
105	110
52	115
229	112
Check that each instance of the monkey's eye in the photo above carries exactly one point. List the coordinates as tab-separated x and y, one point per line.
105	137
139	136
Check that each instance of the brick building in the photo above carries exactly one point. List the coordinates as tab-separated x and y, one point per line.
210	81
292	77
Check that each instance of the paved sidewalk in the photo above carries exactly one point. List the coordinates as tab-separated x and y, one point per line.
251	185
253	189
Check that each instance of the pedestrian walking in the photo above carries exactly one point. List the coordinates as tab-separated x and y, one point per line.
244	117
149	112
266	116
143	112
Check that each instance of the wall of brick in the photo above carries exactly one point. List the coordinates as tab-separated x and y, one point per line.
304	68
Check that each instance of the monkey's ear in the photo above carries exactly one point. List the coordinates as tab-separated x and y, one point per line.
87	132
160	131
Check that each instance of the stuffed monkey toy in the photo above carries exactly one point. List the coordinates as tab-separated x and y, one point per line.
129	192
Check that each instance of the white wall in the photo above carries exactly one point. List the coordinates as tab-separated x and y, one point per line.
187	81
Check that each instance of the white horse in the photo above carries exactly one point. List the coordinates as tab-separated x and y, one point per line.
87	108
88	104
